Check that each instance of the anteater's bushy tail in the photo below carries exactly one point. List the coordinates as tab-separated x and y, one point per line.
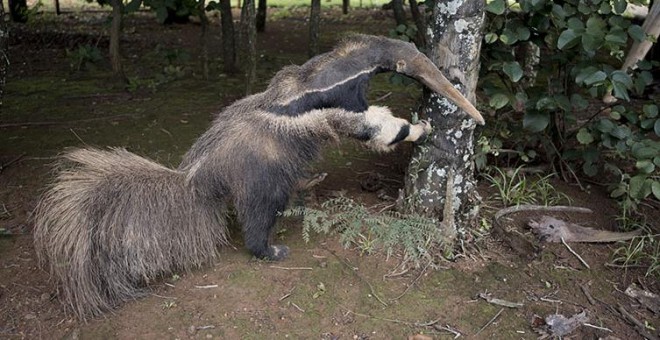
112	221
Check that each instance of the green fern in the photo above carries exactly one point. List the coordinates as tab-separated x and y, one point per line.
418	238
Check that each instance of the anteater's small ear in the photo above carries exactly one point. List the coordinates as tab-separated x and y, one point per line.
401	66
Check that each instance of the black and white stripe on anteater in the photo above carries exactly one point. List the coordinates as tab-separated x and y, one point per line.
113	221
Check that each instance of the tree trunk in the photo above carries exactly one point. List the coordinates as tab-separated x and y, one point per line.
58	11
115	34
18	10
262	10
4	50
204	25
399	12
344	6
420	21
228	37
249	40
314	27
440	180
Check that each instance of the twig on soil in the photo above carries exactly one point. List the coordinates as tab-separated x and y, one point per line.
292	268
413	324
371	288
298	308
490	321
586	292
597	327
576	254
164	297
446	328
412	283
287	294
206	286
47	123
169	285
16	159
199	328
75	134
639	326
499	302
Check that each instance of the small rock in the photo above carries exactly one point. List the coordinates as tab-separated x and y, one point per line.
192	330
209	336
30	316
323	264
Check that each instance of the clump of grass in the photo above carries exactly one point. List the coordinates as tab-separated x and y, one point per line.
418	238
515	188
641	251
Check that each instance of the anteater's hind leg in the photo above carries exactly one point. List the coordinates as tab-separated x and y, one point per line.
258	215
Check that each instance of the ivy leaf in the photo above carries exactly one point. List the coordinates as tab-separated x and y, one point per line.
636	185
513	70
535	121
644	152
508	36
620	6
498	101
645	166
636	32
584	137
567	39
655	188
490	38
523	33
651	110
496	7
656	127
595	77
591	42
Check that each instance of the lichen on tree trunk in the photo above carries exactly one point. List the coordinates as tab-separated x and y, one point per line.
440	180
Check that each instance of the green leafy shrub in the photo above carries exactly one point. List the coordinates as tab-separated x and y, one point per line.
544	65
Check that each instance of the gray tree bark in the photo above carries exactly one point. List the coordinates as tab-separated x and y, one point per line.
262	9
228	37
4	50
204	24
249	40
344	6
314	27
440	180
420	22
399	12
115	35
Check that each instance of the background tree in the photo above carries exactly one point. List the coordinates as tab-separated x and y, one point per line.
262	11
314	27
228	37
18	10
115	34
4	49
399	12
440	179
249	41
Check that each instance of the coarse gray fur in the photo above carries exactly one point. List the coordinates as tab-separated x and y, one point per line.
112	221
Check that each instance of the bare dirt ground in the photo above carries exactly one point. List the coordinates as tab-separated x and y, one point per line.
322	290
